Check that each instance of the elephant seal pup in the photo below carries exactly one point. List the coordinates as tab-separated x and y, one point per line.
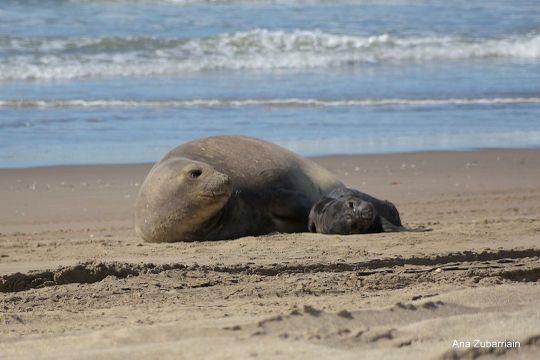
348	211
226	187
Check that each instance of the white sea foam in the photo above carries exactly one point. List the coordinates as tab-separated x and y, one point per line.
279	103
50	59
259	2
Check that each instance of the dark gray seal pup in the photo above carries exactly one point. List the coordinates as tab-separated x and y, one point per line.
226	187
349	211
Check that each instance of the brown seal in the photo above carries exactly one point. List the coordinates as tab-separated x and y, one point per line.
226	187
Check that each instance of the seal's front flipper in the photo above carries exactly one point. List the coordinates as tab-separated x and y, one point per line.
387	226
290	210
420	229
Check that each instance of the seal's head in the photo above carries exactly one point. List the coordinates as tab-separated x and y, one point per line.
346	215
177	198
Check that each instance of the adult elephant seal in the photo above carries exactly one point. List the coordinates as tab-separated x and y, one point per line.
349	211
226	187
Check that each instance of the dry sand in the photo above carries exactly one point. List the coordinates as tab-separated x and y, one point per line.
77	283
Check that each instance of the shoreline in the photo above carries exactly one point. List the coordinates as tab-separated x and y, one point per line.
313	157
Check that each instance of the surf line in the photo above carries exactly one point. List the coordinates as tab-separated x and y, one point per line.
278	103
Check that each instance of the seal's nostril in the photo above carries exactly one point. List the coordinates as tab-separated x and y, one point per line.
366	213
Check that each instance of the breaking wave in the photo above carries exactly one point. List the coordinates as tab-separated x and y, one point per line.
73	58
279	103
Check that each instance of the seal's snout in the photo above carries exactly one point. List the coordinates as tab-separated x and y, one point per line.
362	209
218	184
223	179
226	179
365	212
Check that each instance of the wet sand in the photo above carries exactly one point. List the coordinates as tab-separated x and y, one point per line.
76	280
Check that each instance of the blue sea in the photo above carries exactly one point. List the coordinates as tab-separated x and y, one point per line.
91	81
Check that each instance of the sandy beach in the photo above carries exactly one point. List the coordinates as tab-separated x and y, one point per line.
75	280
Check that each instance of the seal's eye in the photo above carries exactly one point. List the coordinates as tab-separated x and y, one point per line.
195	173
351	204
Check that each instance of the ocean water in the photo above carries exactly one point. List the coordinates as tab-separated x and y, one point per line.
92	81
